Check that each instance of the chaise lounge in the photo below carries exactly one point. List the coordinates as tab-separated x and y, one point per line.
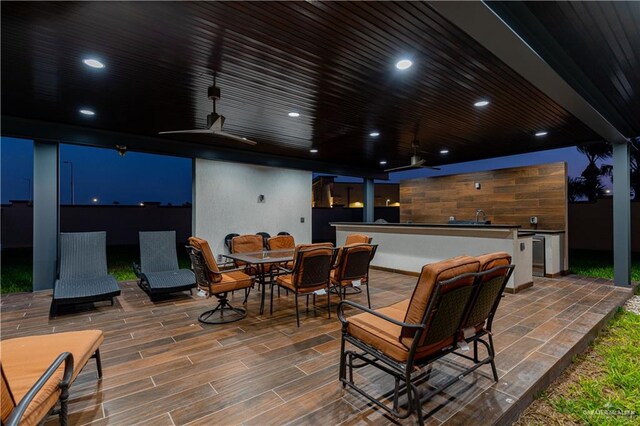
158	271
83	276
38	370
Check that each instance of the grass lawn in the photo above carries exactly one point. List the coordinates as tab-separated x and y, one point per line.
17	266
591	263
602	385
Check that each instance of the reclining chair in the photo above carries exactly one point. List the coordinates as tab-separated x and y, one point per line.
82	275
352	267
218	283
311	272
158	271
452	305
34	379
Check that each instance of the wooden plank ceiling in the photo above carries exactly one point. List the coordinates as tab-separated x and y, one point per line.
333	62
595	46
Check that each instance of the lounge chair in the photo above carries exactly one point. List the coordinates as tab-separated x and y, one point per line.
34	378
82	276
159	272
452	305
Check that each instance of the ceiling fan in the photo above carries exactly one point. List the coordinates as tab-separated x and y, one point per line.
214	121
416	161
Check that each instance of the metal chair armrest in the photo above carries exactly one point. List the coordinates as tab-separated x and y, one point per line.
18	411
285	270
344	321
226	270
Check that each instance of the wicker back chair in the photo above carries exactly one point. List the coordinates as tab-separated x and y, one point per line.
411	334
311	272
352	266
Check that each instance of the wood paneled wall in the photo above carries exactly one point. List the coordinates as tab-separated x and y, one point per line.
508	196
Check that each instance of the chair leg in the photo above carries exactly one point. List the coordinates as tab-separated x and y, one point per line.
329	301
343	359
53	311
475	351
308	302
271	299
96	355
64	405
295	295
112	301
493	356
368	294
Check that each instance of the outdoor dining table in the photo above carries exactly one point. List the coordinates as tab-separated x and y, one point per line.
262	260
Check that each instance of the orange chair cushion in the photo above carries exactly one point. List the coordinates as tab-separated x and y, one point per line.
287	282
356	239
7	404
385	336
341	266
203	246
432	274
25	359
493	260
281	242
230	281
246	243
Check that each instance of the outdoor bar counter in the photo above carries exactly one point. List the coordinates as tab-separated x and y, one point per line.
406	247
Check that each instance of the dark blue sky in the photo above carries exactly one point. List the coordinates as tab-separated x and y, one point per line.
136	177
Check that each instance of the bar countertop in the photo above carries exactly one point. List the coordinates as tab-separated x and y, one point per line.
430	225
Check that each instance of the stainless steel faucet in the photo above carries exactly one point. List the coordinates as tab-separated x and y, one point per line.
484	215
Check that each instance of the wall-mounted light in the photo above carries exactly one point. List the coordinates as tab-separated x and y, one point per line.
261	199
477	185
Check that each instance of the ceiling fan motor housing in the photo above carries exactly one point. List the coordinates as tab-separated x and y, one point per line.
213	117
214	93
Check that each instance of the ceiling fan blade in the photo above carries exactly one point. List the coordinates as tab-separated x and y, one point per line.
234	137
185	131
398	169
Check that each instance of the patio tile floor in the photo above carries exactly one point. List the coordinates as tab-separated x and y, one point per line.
161	366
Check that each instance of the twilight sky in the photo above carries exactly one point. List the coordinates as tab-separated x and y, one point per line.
136	177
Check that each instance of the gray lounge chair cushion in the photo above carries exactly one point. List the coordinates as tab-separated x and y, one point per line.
79	288
158	251
170	279
83	255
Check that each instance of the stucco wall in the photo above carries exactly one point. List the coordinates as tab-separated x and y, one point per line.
226	201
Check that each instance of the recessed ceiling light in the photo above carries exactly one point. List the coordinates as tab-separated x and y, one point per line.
444	151
95	200
403	64
374	134
313	151
87	112
542	133
383	163
294	114
481	103
93	63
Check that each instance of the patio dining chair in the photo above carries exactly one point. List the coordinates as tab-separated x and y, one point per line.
217	283
158	272
82	271
247	244
352	269
404	339
357	239
311	272
265	237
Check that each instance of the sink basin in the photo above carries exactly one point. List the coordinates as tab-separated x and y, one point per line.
469	222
